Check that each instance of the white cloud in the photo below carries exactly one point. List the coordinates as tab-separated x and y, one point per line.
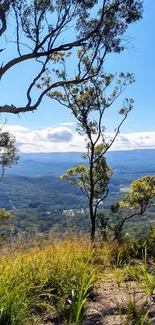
67	123
63	139
130	141
13	128
60	134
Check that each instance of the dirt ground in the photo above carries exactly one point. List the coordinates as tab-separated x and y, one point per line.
109	306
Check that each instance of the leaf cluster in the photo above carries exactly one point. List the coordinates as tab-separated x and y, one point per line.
8	151
80	175
142	193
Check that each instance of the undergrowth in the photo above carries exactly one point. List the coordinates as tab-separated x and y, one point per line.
41	281
45	279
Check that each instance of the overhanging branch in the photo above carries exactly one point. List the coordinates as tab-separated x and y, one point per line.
28	108
34	55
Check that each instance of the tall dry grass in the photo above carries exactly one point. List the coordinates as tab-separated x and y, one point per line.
38	281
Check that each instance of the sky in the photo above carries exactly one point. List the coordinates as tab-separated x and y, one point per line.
53	127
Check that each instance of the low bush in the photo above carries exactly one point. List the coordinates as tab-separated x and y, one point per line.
138	247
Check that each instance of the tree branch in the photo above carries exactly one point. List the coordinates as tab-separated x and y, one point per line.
16	110
3	20
64	47
99	201
35	80
113	140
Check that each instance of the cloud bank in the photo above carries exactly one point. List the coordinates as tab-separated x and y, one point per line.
63	139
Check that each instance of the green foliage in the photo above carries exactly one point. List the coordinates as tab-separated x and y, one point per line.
138	247
77	302
11	313
8	151
80	175
137	315
140	197
119	272
144	278
89	101
141	194
4	226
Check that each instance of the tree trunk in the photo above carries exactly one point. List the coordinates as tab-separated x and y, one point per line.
92	231
93	221
91	199
118	234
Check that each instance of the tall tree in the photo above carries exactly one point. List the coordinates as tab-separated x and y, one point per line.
45	30
89	102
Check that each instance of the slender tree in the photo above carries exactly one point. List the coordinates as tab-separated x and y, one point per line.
43	31
89	102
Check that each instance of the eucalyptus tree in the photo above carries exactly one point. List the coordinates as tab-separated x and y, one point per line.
140	197
43	31
89	102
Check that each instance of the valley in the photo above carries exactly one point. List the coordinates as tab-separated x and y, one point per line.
34	194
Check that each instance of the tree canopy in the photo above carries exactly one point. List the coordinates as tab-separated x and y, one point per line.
135	203
80	175
47	30
142	193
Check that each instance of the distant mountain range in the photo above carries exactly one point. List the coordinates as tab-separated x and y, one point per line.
54	164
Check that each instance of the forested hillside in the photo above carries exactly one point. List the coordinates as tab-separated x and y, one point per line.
43	201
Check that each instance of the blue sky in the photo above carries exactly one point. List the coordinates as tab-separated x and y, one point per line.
138	58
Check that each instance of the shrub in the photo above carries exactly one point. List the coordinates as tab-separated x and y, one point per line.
137	249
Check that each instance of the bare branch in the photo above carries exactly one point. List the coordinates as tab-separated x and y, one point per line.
35	80
113	140
16	110
17	30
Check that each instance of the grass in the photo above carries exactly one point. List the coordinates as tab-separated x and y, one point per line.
54	278
77	304
41	280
